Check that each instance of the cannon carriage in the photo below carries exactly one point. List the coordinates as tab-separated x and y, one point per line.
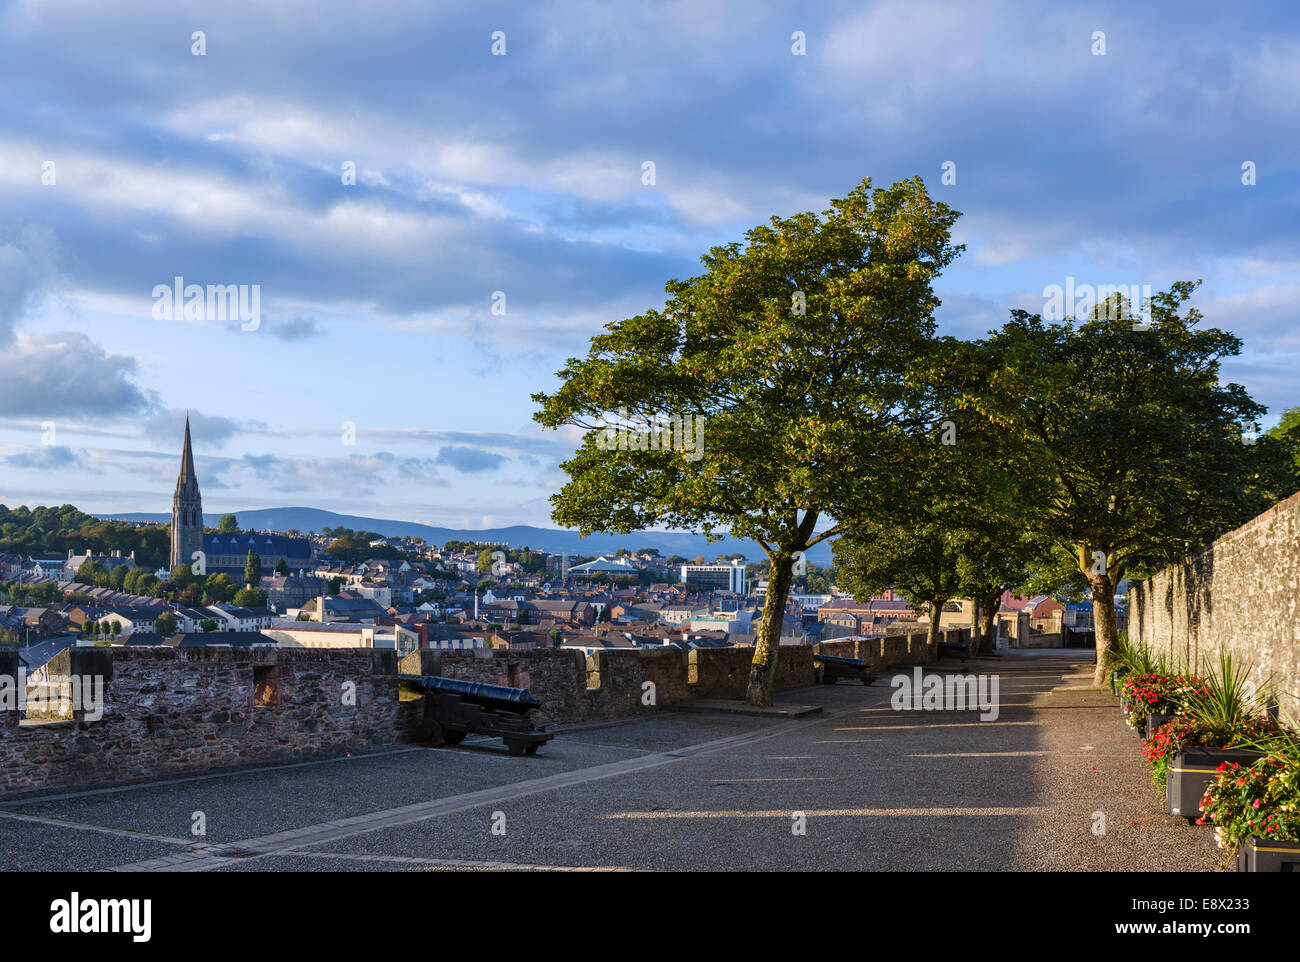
834	668
454	708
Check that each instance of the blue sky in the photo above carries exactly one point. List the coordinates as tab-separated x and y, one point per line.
522	173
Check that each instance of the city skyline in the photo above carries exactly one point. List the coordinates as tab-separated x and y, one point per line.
523	173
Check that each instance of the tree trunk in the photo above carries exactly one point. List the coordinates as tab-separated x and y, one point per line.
766	645
976	626
990	614
1103	616
932	636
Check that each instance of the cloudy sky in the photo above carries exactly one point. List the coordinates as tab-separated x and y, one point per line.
127	160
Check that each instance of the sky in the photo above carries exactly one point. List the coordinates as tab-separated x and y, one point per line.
378	380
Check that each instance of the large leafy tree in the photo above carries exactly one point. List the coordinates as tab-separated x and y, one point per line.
1140	443
918	558
955	526
795	349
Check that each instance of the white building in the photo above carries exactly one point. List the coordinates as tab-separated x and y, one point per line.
729	577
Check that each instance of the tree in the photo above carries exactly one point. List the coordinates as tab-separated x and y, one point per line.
228	524
484	562
919	559
1287	433
182	575
282	568
250	598
218	588
253	570
207	625
794	351
1141	445
165	624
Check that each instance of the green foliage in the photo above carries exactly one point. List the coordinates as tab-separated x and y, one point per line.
1138	442
50	532
228	524
1230	698
1259	799
1287	435
165	624
250	598
207	625
802	412
252	570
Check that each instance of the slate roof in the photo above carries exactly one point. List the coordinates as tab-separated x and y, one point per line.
259	544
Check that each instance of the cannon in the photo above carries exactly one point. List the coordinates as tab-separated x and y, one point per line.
454	708
834	668
954	648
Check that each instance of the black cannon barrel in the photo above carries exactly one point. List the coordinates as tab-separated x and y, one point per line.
836	660
477	692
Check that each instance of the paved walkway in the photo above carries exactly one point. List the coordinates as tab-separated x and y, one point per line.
877	789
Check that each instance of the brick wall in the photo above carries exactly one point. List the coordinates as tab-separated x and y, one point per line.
1240	594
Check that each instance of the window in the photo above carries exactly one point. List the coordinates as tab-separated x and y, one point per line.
266	686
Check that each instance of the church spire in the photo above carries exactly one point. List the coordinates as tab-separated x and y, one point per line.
187	457
187	510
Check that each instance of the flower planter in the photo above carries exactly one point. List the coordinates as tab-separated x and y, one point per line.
1191	772
1266	855
1155	721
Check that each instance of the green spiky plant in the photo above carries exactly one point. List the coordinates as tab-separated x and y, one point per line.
1229	698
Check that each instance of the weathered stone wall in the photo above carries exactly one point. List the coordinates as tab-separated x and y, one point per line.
1240	594
170	711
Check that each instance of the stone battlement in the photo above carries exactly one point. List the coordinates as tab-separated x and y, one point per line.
169	712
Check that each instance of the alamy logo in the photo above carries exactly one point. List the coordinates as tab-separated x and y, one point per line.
213	302
931	692
660	432
86	693
75	915
1078	301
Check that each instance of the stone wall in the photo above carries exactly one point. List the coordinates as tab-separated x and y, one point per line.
176	710
1240	594
172	711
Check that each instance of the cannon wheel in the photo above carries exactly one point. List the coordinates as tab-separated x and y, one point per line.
431	733
452	737
517	748
531	749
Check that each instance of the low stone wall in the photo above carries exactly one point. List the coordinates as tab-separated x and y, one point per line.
1240	594
172	711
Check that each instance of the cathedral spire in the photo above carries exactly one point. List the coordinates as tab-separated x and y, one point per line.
187	510
187	457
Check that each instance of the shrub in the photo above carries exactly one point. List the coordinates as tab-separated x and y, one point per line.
1160	695
1262	799
1187	732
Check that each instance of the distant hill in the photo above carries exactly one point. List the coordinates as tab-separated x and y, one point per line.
554	540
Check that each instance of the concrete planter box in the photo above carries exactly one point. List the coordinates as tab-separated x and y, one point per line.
1155	721
1191	773
1263	855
